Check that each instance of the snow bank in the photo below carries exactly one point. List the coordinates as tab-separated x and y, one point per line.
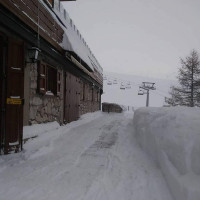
171	136
38	129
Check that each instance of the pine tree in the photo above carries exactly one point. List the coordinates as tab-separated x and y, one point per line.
188	91
175	99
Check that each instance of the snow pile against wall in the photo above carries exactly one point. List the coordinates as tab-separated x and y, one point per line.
171	136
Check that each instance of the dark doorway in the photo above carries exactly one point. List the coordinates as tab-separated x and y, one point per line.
3	63
11	94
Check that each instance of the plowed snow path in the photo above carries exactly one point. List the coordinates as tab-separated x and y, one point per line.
96	158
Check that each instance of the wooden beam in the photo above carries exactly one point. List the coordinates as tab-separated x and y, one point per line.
10	6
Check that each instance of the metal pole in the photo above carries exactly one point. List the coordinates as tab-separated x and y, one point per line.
146	86
147	102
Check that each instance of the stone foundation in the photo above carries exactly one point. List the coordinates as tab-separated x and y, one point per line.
88	106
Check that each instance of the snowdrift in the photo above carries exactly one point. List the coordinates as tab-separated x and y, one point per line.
171	136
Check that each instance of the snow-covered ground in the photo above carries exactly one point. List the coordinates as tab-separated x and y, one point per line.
171	136
99	157
96	157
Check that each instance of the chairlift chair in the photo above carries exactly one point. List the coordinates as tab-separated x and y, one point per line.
115	81
109	83
122	87
141	92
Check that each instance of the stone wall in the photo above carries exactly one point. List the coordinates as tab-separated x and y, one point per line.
87	102
47	108
88	106
43	108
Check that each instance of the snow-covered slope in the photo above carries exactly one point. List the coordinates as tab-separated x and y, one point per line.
171	136
130	97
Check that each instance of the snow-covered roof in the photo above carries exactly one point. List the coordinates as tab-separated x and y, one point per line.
72	39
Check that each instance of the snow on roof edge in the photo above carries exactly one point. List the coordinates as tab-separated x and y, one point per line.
72	39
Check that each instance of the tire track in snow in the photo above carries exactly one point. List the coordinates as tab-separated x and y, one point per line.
91	163
130	174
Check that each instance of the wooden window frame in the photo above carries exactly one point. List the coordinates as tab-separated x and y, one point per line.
51	73
50	3
43	79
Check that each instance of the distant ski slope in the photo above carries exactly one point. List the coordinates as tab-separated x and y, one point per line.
130	97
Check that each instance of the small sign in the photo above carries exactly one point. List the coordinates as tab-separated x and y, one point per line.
14	101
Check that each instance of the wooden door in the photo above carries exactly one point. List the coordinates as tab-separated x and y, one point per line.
77	93
66	98
15	95
72	97
3	59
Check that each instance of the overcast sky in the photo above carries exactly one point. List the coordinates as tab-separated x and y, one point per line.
139	37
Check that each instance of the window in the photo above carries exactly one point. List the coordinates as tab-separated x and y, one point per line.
50	2
49	80
42	78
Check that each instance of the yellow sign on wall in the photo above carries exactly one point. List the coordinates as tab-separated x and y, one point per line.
14	101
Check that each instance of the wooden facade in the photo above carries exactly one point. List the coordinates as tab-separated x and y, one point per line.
52	88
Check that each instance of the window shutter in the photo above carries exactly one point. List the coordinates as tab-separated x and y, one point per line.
58	83
42	78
